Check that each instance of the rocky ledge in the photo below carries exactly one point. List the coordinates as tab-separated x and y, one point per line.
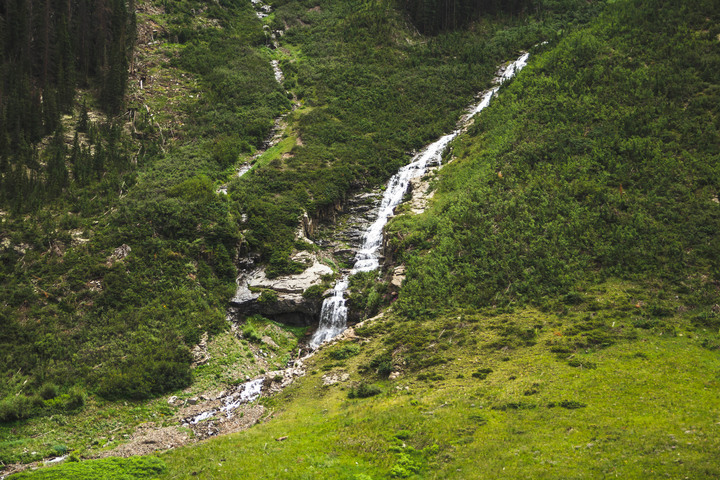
281	298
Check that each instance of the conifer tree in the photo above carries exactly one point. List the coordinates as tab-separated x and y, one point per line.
57	174
82	125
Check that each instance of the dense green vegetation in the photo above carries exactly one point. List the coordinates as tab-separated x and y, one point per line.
47	51
372	91
432	16
559	316
82	309
109	285
601	160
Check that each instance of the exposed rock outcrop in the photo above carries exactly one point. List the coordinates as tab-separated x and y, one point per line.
288	304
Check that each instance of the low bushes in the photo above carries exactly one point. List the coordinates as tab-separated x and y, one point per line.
364	390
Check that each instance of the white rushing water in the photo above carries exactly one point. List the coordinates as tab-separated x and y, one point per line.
333	317
249	392
279	77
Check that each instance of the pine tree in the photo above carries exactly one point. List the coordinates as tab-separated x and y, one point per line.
66	67
57	174
75	155
82	125
99	160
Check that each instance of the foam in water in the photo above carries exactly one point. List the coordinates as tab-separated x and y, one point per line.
333	317
250	391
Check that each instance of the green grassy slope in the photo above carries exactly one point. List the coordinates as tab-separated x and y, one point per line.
602	159
492	395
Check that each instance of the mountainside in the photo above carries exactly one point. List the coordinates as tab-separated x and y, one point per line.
112	280
558	313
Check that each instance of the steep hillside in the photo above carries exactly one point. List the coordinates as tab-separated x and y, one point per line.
108	286
559	317
600	161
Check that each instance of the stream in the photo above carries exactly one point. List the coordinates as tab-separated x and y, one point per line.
262	10
333	316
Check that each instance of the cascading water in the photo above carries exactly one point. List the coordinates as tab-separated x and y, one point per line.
247	393
333	316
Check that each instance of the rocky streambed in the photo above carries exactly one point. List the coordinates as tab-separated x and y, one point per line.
289	299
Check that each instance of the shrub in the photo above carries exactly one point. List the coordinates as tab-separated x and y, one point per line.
48	391
59	449
382	365
582	364
572	298
18	407
250	333
482	373
436	377
364	390
75	398
196	189
268	296
346	351
404	467
313	292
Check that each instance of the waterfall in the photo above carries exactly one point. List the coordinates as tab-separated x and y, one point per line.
333	316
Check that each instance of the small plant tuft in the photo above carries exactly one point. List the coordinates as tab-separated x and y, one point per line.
364	390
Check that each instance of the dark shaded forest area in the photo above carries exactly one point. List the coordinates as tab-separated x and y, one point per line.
49	49
433	16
